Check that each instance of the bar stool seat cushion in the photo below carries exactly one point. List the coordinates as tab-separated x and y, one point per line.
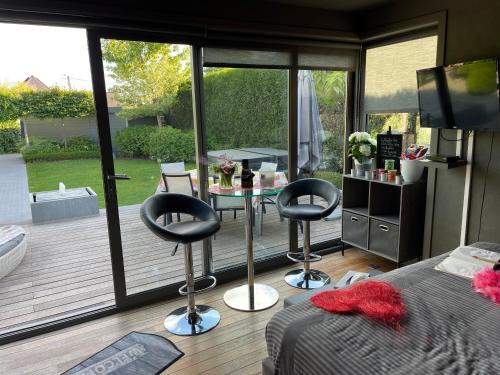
192	231
206	222
307	187
308	212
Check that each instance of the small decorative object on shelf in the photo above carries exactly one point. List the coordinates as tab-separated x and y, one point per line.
225	169
246	175
410	168
362	148
399	179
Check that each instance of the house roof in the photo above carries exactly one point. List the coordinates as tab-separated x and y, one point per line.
35	83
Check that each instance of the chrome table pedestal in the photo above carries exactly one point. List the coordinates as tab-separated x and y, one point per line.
251	296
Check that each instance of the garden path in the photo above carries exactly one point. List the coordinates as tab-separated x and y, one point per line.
14	192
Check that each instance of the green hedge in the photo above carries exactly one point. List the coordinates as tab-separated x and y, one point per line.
133	141
171	145
51	103
10	137
253	101
30	157
44	149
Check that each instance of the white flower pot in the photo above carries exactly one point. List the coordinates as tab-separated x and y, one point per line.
411	170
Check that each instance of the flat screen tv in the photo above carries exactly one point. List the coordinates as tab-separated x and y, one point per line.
461	96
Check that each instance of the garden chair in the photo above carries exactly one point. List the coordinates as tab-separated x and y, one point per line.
173	167
267	166
177	182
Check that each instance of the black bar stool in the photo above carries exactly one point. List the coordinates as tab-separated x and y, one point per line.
288	207
195	319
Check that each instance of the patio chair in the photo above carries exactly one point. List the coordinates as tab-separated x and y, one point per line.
179	183
267	166
221	203
178	167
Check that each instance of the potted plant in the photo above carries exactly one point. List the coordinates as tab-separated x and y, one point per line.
411	169
225	169
362	148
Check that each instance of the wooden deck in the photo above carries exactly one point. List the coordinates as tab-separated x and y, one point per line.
67	267
236	346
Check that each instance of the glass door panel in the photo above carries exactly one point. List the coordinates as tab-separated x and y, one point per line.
55	258
247	118
321	135
150	108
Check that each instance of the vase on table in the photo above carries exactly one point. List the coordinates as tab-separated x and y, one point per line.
362	167
411	170
226	181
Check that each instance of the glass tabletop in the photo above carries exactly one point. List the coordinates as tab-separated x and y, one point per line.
238	191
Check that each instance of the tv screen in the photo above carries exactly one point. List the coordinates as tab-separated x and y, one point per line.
461	96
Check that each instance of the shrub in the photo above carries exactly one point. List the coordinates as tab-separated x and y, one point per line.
81	143
10	137
171	145
45	149
41	145
30	156
133	141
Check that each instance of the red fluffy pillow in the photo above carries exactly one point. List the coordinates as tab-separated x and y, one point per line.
377	300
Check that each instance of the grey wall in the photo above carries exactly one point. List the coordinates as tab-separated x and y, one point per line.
472	33
71	127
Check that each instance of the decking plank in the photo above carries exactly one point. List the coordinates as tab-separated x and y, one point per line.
67	267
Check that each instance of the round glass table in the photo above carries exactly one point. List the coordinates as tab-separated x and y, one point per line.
251	296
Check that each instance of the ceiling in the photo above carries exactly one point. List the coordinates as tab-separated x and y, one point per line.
337	5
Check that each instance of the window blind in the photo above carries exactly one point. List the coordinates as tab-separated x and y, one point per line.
335	59
239	57
308	58
390	74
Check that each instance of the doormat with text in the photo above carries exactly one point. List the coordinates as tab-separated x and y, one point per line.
136	353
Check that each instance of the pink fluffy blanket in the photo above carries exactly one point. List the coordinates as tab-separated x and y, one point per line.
487	282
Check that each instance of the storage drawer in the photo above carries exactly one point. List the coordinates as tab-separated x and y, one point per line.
355	229
384	238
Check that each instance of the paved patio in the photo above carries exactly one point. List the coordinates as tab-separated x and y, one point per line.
14	192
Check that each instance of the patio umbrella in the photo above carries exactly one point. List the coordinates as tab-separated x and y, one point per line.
310	131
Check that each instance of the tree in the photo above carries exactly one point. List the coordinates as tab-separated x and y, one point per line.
147	75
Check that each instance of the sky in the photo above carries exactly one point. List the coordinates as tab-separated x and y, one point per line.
49	53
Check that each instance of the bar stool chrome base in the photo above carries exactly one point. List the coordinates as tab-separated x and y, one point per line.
307	280
179	322
264	297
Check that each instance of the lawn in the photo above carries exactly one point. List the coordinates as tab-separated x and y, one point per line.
144	175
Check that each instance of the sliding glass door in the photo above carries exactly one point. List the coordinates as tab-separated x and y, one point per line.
55	258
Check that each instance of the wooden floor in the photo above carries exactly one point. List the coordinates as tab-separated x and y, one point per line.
236	346
67	267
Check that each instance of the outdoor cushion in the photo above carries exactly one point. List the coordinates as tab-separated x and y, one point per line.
9	245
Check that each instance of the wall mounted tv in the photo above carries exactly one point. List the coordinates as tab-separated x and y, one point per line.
460	96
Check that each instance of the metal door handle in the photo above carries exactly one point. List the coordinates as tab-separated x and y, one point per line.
385	228
118	177
354	218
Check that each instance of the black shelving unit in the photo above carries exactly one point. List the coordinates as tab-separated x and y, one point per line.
384	218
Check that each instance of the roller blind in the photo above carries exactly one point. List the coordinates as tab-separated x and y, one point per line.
240	57
390	74
339	59
308	58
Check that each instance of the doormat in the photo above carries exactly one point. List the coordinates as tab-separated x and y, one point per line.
136	353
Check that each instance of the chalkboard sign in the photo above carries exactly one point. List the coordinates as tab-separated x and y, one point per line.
389	146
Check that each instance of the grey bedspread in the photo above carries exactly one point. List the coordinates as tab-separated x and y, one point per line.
449	329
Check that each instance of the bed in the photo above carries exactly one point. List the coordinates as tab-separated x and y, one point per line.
449	329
